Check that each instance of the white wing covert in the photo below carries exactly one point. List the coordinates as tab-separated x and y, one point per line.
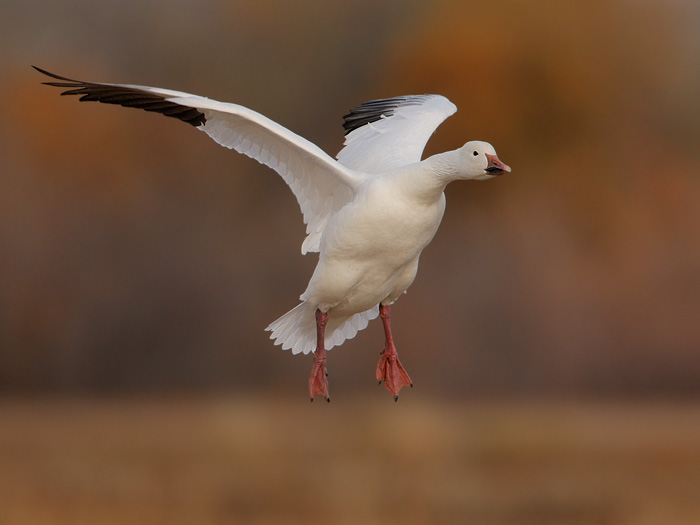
385	134
321	185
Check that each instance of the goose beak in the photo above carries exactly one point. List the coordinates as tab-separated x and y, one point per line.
495	166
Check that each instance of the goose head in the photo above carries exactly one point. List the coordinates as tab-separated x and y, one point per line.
480	162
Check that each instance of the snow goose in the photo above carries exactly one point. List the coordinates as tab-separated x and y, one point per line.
369	214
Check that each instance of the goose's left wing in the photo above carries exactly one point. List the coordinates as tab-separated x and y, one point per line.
321	184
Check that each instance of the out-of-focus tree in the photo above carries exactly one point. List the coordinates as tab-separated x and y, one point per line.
137	254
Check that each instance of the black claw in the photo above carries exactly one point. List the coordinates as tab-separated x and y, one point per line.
312	399
396	398
328	399
411	385
380	382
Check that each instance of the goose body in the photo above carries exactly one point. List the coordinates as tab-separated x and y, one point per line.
369	214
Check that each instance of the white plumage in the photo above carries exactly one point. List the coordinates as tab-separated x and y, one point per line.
394	141
369	213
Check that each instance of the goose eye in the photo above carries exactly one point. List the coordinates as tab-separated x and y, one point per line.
476	153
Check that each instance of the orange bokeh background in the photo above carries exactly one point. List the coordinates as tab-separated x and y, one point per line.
141	261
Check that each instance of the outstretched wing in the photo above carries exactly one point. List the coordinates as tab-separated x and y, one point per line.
385	134
321	185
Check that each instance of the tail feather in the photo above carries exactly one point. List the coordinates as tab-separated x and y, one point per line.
296	330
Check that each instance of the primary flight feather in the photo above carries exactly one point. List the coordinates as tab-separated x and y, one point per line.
369	214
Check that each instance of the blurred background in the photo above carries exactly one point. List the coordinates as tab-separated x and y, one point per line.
552	333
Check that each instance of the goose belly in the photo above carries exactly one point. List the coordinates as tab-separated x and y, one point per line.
371	256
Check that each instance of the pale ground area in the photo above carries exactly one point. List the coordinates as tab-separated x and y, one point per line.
357	460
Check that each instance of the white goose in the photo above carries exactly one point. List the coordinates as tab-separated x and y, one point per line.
368	215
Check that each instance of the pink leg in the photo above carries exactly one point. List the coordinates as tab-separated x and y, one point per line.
389	368
318	383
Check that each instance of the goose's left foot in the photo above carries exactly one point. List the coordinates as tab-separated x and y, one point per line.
318	381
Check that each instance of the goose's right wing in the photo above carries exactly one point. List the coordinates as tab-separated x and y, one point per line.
385	134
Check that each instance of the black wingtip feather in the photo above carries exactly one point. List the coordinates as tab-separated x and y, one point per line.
374	110
127	97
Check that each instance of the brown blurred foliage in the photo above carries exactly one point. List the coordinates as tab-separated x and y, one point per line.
136	254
